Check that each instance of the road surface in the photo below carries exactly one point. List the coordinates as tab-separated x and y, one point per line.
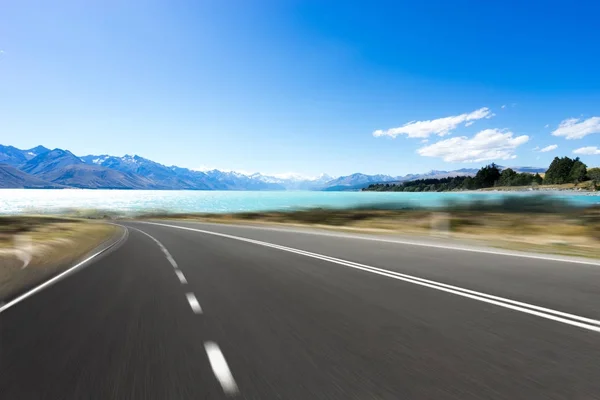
203	311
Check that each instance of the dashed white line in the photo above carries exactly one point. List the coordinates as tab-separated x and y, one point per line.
220	368
181	277
191	298
160	245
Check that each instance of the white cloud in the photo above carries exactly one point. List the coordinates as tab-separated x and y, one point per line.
589	150
536	148
440	126
425	141
503	106
547	126
574	128
469	123
489	144
549	148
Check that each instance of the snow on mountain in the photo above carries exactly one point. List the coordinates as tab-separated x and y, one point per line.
62	167
12	156
294	181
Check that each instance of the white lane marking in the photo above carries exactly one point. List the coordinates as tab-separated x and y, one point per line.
554	315
220	368
160	245
191	298
181	276
406	242
60	276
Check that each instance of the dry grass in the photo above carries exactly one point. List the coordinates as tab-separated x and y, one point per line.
55	244
568	231
583	186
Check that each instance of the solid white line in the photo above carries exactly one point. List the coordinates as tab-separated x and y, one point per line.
220	368
408	243
181	276
61	275
160	245
194	303
554	315
444	285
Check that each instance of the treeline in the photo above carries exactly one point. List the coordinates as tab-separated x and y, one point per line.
561	170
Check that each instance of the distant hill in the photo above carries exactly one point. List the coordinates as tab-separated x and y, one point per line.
359	181
49	162
12	156
11	177
529	170
356	180
237	181
63	167
161	176
295	181
97	177
180	178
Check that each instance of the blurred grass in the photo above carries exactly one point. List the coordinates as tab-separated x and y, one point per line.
536	222
584	186
56	243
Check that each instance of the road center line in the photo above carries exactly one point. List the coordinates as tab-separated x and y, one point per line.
181	276
191	298
554	315
220	368
160	245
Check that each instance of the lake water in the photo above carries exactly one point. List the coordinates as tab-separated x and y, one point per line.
127	201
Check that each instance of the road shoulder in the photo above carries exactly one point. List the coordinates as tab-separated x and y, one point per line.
38	253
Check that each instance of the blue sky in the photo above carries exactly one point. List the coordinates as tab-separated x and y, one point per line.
304	86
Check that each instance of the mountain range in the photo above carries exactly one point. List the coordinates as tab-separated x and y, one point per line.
42	168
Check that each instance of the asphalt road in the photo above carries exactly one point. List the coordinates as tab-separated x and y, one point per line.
201	311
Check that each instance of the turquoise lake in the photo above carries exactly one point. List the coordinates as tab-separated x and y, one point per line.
127	201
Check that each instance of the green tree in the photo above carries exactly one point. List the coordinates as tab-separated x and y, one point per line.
506	177
537	178
594	174
469	183
559	171
578	171
487	176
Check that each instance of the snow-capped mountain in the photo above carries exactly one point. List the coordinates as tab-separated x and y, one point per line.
356	180
61	168
12	156
294	181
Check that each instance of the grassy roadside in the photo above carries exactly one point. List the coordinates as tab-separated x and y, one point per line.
553	228
586	186
54	244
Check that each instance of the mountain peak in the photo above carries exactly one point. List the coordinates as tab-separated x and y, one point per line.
50	160
37	150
